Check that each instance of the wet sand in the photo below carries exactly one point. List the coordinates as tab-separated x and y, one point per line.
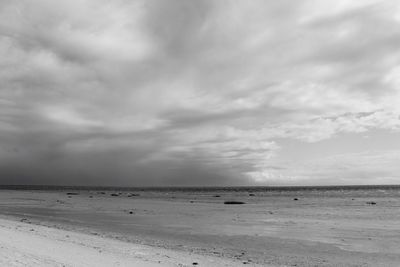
320	228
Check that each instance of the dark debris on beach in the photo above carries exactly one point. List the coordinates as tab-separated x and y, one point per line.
234	202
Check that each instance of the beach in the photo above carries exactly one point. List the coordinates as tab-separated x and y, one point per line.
194	227
24	244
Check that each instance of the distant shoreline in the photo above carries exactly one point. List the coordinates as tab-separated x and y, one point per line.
199	188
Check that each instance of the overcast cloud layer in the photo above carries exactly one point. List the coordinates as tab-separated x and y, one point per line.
199	92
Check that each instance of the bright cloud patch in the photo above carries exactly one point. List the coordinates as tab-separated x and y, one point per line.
193	93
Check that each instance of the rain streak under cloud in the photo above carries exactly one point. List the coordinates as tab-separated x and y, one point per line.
199	92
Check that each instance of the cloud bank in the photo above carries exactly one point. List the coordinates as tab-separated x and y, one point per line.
194	92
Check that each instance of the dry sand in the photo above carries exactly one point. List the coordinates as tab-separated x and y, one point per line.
24	244
179	228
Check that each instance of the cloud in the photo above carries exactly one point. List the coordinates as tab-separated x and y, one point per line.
370	167
187	92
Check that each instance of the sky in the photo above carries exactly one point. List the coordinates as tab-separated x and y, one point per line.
199	93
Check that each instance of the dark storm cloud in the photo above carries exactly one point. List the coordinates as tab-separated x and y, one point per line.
186	92
116	168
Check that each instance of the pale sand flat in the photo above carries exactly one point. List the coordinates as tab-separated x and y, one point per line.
24	244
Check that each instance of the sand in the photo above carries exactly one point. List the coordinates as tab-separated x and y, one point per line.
180	228
32	245
24	244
